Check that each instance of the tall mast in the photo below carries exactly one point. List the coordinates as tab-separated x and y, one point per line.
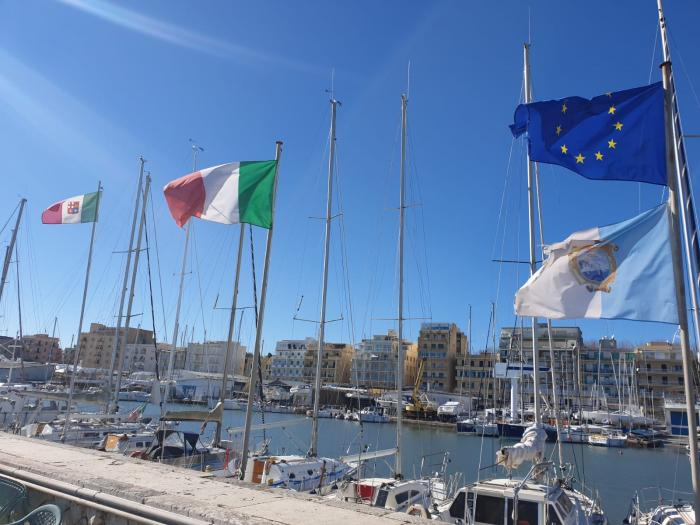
313	451
19	310
125	282
176	328
259	326
398	474
231	322
531	232
11	247
677	201
125	340
76	350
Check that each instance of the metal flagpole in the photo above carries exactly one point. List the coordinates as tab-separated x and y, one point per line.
121	350
533	256
76	350
398	474
313	450
11	247
171	362
676	205
258	330
231	322
687	208
117	330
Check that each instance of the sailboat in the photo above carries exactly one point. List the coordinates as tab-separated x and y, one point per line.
396	494
541	496
310	472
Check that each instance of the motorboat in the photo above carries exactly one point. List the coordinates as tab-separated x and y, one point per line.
477	427
451	410
608	439
373	415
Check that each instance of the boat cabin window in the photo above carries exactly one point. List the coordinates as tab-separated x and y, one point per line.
565	504
489	509
552	516
527	512
382	495
292	475
457	507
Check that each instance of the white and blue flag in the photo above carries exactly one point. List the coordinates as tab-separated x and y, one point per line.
621	271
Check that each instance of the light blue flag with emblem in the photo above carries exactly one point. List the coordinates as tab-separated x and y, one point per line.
621	271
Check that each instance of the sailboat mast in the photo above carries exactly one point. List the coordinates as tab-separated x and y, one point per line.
313	451
259	324
76	350
676	203
124	340
231	322
176	328
531	232
400	361
125	282
10	248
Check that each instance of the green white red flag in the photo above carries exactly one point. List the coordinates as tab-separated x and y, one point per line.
238	192
75	210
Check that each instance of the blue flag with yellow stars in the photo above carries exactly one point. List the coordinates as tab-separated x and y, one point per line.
616	136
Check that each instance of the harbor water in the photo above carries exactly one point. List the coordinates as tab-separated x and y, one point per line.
616	474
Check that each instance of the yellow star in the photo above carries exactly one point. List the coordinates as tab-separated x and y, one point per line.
579	159
558	130
564	108
611	111
598	155
564	149
618	126
612	144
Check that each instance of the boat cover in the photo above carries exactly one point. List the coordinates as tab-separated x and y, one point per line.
530	448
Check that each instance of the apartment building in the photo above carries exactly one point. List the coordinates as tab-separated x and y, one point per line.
336	363
41	348
210	357
287	364
659	374
375	362
97	345
439	347
474	377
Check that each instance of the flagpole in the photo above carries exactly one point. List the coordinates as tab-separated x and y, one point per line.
76	352
231	323
533	256
687	208
171	362
259	327
117	330
674	197
313	450
121	351
11	247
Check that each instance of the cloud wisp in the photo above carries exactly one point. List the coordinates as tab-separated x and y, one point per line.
182	37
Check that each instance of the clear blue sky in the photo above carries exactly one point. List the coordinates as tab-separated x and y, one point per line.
86	87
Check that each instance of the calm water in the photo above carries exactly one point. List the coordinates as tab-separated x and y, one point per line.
615	473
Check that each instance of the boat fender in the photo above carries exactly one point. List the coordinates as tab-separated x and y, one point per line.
418	510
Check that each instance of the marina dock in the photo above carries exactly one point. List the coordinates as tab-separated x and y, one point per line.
102	488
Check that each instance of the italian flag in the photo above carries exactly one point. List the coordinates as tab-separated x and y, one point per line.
238	192
78	209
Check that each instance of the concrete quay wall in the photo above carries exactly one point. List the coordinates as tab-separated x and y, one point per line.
102	488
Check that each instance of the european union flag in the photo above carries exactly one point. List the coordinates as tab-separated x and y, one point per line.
616	136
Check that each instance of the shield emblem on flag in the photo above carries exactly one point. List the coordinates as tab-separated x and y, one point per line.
73	207
594	266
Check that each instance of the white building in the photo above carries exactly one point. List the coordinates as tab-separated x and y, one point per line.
288	361
210	357
374	364
141	357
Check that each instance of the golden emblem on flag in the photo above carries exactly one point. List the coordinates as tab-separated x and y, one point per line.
594	266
